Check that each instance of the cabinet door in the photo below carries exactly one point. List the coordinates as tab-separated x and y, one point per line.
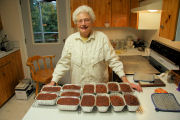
75	4
102	10
16	68
134	16
120	13
169	18
11	72
5	79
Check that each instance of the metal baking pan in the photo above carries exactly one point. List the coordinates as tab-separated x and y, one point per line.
165	102
145	77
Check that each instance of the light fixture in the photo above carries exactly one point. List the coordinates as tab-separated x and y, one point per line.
152	10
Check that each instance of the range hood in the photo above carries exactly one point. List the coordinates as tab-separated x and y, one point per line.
148	6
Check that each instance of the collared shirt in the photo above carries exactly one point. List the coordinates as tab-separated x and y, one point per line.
88	61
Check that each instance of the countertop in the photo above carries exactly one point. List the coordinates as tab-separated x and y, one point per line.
132	51
147	111
3	53
137	63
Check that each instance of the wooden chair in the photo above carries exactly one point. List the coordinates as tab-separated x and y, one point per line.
41	69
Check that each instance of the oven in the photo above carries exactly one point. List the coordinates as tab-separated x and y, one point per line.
161	59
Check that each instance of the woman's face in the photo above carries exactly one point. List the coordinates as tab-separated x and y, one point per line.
84	24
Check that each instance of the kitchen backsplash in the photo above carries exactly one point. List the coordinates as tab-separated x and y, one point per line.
124	38
121	37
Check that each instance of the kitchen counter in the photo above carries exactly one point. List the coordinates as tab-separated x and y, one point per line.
137	63
132	51
147	111
3	53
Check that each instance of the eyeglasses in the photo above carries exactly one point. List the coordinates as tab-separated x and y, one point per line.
86	20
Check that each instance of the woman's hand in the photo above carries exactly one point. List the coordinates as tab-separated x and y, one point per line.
52	83
135	86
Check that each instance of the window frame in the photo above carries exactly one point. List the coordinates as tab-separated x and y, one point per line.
59	41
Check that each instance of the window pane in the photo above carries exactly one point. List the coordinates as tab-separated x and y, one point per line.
44	21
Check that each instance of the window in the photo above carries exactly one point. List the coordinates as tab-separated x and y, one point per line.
44	21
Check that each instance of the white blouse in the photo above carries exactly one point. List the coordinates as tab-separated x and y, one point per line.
88	61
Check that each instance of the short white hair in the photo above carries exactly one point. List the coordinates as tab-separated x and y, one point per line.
83	8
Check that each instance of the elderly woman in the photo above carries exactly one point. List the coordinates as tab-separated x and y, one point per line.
88	53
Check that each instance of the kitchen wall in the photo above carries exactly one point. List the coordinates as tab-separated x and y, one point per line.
119	33
178	28
12	25
154	35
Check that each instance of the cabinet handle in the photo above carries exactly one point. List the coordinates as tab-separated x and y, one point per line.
162	26
5	64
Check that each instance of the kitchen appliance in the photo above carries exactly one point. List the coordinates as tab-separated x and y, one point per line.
5	45
149	14
161	59
23	89
145	6
164	58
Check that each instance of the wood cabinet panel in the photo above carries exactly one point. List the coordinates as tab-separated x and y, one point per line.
120	13
5	78
11	72
116	13
75	4
102	11
17	69
134	16
169	18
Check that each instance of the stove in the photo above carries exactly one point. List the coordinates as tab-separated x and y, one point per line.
164	58
161	59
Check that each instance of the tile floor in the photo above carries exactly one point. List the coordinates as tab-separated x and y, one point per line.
15	109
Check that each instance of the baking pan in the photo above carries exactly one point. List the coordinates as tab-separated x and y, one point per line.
165	102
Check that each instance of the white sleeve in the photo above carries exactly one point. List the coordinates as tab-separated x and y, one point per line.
63	64
112	58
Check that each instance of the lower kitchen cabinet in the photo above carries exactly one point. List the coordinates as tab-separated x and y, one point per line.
11	72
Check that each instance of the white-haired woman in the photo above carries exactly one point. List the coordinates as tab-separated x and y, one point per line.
88	53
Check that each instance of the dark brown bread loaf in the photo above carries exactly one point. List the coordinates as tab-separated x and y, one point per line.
102	101
88	100
68	101
117	100
46	96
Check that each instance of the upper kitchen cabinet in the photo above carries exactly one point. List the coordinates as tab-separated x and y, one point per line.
102	11
133	16
120	13
109	13
101	8
75	4
169	18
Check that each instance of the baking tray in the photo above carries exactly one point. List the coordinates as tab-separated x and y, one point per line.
145	77
165	102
